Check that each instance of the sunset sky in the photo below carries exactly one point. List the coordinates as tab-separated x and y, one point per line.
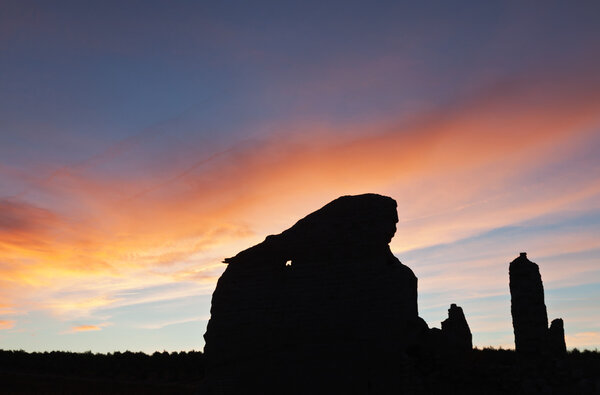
141	142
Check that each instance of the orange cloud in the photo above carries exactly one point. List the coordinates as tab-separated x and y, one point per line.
88	327
6	324
453	173
85	328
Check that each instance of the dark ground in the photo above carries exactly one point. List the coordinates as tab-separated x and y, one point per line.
113	373
491	371
486	371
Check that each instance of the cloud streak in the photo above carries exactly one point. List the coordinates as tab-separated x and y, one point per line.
88	327
85	328
6	324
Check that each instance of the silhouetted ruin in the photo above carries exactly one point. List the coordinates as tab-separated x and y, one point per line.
456	332
325	307
530	319
454	339
325	301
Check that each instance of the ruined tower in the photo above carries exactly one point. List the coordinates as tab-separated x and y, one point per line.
530	319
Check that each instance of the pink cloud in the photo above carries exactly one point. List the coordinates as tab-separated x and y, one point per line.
85	328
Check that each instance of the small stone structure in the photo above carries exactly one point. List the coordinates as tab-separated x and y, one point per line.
530	319
556	337
456	333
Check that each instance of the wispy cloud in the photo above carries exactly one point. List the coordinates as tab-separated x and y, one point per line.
88	327
6	324
160	325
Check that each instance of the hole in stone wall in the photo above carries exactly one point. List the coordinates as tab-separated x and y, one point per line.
288	263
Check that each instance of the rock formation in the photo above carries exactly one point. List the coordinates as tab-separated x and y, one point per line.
530	319
456	333
323	307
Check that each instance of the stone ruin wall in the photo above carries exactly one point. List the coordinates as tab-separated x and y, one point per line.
341	312
340	286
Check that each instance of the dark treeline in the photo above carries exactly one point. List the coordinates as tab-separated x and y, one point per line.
498	371
118	372
489	371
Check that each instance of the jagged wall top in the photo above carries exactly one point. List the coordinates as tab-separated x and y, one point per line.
339	314
347	223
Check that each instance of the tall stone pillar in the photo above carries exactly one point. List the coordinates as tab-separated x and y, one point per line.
530	320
